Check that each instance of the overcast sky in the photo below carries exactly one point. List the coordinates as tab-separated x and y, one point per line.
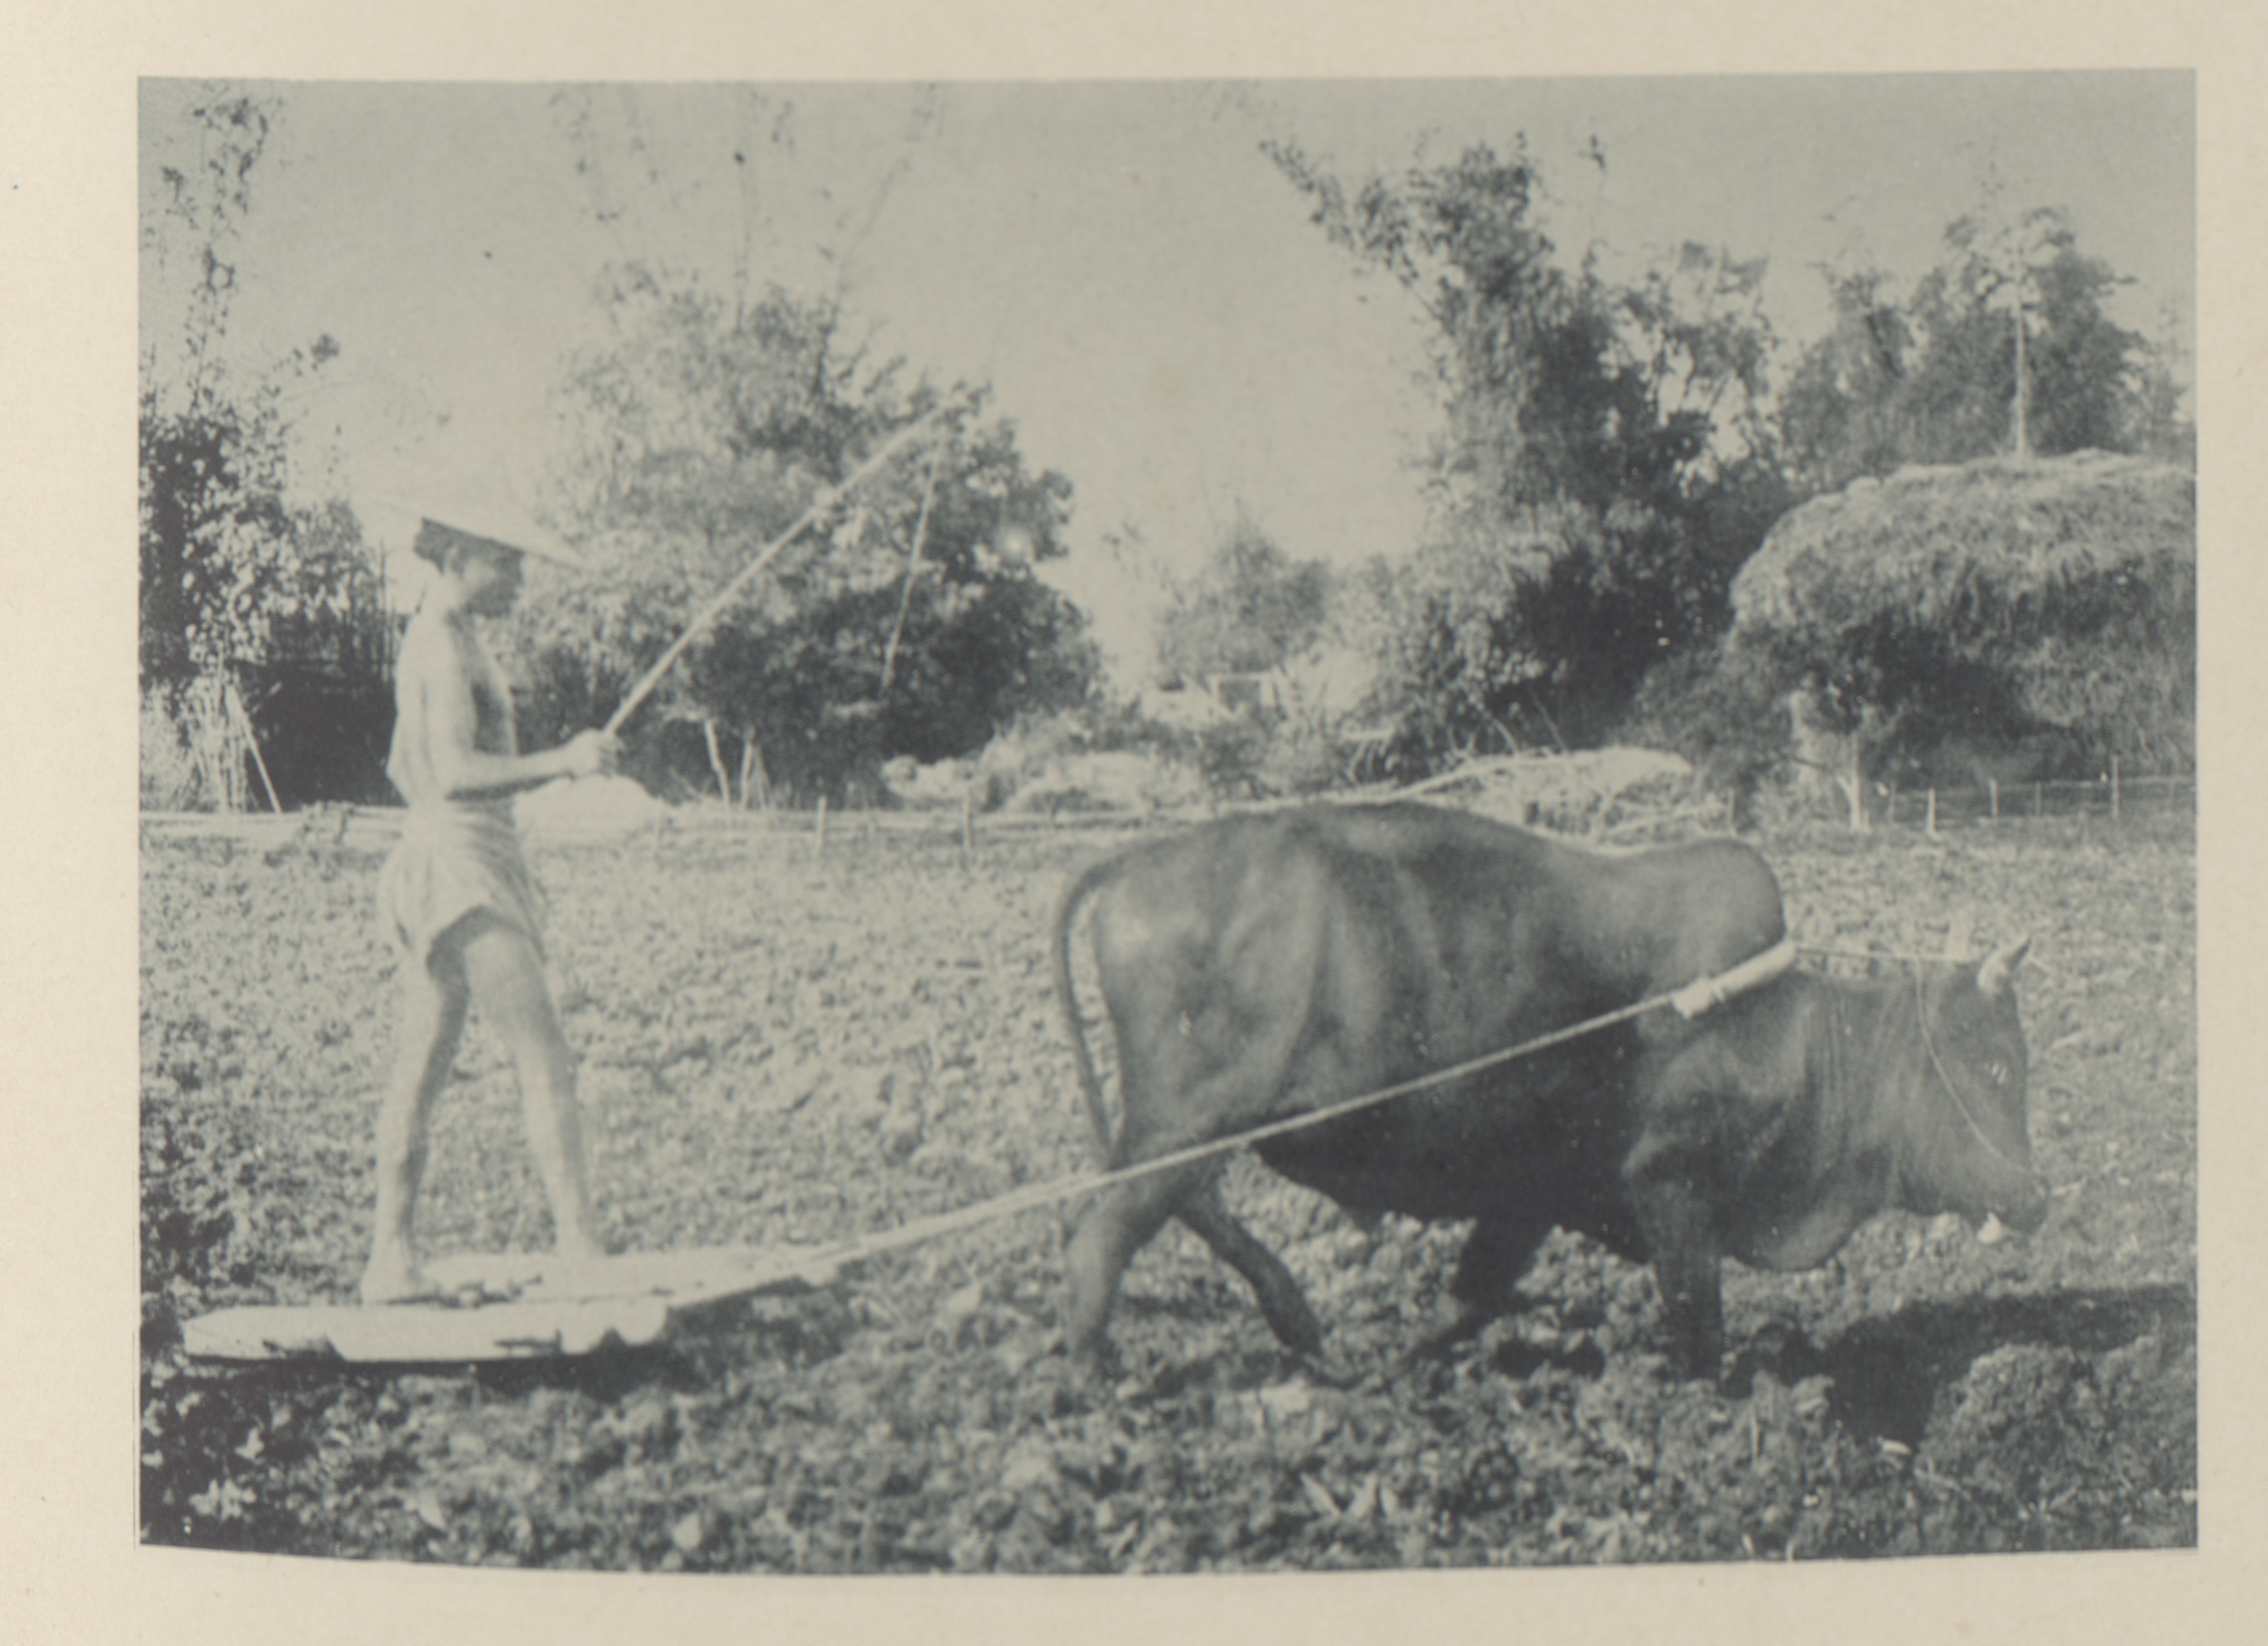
1121	262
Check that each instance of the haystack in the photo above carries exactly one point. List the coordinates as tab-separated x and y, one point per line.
2073	580
2021	546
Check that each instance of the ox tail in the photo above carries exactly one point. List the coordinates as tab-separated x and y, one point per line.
1084	885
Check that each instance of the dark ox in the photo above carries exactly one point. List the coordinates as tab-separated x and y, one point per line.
1261	966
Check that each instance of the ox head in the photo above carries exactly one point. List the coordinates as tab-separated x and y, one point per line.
1969	1145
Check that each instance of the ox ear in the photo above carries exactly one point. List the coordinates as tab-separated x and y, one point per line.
1961	942
2000	967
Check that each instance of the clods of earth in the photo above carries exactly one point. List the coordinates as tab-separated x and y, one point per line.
779	1047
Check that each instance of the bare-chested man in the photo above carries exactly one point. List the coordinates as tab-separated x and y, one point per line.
457	898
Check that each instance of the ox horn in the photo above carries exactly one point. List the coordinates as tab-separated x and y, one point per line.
1999	966
1961	942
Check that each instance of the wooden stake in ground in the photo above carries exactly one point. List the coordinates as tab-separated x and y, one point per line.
235	706
751	764
716	758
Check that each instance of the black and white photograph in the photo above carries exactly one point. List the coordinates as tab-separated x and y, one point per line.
1194	823
1170	827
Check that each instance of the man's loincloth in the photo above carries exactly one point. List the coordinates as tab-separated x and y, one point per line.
452	862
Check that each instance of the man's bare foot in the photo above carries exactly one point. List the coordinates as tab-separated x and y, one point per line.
575	1263
394	1278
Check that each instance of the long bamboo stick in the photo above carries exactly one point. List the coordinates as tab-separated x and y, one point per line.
732	591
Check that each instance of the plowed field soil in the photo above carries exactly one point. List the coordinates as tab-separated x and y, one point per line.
780	1047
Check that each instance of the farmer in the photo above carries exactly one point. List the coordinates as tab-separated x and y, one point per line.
457	898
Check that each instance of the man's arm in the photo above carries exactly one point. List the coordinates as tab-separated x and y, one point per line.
467	771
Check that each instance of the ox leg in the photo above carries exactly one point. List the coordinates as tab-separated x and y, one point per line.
1279	1295
1668	1175
1119	1224
1682	1239
1495	1254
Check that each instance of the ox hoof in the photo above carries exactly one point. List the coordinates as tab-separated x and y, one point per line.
1328	1370
1457	1326
1093	1372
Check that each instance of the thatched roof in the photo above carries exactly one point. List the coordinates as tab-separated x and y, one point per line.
1986	541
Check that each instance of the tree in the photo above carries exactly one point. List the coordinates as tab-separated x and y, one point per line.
2158	421
914	625
235	578
1844	411
231	574
1252	608
1604	467
2004	347
1986	600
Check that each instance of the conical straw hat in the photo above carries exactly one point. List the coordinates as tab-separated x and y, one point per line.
484	517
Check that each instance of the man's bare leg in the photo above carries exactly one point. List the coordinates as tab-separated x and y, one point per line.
507	983
434	998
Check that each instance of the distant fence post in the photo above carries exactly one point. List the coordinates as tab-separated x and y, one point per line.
1992	789
754	776
2114	788
1932	814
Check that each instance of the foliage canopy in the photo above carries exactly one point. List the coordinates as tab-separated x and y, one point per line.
1251	608
1934	378
913	622
240	587
1603	472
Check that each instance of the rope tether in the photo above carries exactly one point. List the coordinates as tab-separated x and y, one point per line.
1689	1002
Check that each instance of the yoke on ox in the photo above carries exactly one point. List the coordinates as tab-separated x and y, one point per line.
1264	966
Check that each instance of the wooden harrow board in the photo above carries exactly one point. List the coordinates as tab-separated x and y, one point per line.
491	1306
